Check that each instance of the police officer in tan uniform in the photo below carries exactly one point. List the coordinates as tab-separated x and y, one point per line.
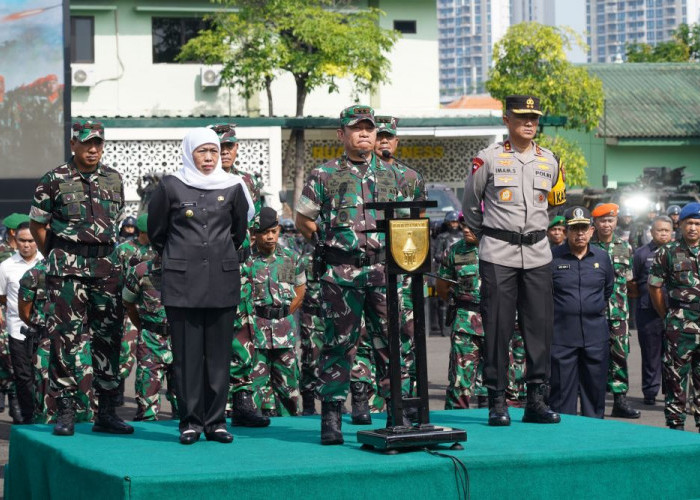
513	179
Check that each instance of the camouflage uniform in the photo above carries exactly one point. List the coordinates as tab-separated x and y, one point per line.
353	284
274	278
83	210
33	290
676	267
461	263
620	253
129	254
515	392
243	359
311	328
154	356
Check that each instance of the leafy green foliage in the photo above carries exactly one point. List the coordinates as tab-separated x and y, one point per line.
684	47
570	156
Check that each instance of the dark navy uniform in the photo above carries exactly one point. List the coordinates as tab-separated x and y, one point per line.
580	342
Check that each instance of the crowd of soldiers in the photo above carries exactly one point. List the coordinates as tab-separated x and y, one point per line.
96	312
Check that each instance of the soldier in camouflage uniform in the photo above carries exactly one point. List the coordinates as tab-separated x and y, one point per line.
311	328
620	252
461	264
675	267
33	299
154	357
130	253
279	281
83	201
354	282
240	404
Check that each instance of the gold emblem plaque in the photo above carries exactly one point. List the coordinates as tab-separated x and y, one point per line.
410	242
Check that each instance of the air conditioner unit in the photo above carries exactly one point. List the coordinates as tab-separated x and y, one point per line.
82	75
210	76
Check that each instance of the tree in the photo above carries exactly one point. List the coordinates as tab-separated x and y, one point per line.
683	47
531	59
311	39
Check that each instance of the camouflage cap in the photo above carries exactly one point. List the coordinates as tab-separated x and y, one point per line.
523	105
14	220
85	130
355	114
226	132
386	124
142	223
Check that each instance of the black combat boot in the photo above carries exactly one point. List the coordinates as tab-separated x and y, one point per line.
65	417
536	410
119	397
360	403
622	409
498	410
404	421
107	419
15	410
482	402
308	402
331	422
245	414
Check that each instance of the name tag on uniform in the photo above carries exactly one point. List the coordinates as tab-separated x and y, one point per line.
186	204
563	266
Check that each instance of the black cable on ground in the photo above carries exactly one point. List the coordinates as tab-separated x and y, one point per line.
461	473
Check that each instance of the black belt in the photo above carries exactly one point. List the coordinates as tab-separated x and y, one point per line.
468	305
84	249
243	254
151	326
514	238
335	257
272	312
677	304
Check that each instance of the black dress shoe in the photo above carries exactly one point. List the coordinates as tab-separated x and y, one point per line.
189	436
649	401
219	435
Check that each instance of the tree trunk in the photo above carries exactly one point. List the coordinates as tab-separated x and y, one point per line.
268	90
298	135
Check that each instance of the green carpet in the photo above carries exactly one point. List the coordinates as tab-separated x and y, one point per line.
579	458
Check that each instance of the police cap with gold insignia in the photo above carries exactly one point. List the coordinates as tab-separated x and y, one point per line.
84	130
355	114
386	124
523	104
577	215
690	211
225	131
605	210
268	219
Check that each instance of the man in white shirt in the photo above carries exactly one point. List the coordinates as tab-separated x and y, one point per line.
21	340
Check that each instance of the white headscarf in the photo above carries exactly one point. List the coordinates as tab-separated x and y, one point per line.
218	179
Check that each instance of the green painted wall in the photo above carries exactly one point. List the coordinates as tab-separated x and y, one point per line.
625	163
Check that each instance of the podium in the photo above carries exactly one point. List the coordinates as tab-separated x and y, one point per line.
407	252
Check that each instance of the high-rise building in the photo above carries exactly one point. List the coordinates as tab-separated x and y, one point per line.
539	11
467	30
612	25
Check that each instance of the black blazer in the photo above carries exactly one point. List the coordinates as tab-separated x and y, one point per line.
197	232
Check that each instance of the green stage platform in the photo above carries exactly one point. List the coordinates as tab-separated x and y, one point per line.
579	458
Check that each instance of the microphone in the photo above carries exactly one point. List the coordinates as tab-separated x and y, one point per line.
386	154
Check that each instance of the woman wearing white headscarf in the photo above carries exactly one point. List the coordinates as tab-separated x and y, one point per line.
197	219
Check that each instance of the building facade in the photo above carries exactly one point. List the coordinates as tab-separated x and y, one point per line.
612	25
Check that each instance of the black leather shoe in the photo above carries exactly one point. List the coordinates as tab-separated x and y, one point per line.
220	436
189	436
677	427
536	410
498	410
622	409
649	401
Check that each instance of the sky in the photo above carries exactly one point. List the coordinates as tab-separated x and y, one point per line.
572	13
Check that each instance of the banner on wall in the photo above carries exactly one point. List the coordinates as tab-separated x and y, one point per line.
31	87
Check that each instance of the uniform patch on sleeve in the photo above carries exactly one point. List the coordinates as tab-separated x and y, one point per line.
477	163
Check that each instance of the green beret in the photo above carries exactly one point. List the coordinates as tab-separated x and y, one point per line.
142	223
14	220
559	220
